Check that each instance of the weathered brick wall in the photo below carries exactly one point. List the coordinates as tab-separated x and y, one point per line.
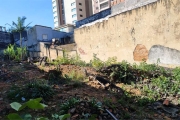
157	23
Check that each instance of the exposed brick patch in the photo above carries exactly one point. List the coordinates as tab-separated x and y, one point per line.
140	53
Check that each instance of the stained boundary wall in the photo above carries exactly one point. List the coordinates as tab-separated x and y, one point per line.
150	32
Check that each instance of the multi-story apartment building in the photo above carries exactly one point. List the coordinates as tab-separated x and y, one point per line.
67	12
100	5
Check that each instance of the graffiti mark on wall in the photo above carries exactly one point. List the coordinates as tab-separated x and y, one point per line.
81	51
133	35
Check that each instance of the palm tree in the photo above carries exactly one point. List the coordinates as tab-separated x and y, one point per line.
19	27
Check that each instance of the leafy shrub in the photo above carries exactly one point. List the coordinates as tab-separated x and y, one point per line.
76	76
95	105
161	87
176	74
33	89
61	117
40	89
68	104
69	60
15	53
96	62
125	72
54	76
32	104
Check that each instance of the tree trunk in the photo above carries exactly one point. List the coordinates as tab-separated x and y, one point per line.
21	45
20	40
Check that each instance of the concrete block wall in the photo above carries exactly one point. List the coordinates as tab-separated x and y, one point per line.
126	5
131	35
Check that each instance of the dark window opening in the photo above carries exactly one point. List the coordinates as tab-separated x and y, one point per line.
80	3
81	15
80	9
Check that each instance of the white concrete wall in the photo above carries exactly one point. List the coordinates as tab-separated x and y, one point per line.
40	30
32	39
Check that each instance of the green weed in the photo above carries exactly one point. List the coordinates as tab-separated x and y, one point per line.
30	90
15	53
68	104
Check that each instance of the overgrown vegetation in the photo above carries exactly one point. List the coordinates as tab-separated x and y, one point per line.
76	104
153	81
30	90
95	62
15	53
33	104
65	59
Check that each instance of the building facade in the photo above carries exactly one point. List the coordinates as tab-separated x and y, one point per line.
115	2
70	11
5	37
100	5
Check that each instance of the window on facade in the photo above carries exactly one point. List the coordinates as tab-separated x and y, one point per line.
104	5
55	17
73	10
53	2
97	8
54	7
72	4
80	9
54	12
63	16
81	15
73	16
80	3
102	0
45	36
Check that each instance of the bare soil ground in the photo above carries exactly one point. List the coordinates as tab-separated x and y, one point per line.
20	73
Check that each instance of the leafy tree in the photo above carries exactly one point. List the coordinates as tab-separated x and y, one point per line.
19	27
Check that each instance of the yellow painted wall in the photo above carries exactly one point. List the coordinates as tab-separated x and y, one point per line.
154	24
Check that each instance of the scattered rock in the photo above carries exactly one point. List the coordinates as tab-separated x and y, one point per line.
56	87
53	106
74	117
166	102
167	118
155	115
82	104
72	110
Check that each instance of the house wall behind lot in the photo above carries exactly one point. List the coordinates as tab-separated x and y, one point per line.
150	32
52	53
